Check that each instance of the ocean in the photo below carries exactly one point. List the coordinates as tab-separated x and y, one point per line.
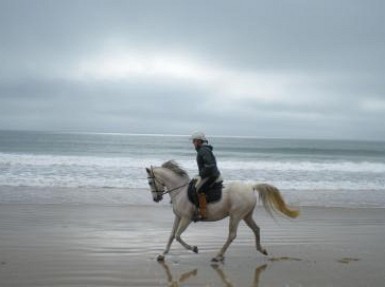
54	168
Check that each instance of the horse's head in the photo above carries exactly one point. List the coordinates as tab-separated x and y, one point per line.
157	187
169	178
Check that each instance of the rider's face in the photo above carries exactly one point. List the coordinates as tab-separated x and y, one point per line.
197	143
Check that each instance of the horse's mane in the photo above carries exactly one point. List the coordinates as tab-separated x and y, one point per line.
173	166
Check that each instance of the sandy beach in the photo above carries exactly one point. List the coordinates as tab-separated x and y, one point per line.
94	245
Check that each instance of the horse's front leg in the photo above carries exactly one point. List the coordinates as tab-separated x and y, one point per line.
184	223
171	238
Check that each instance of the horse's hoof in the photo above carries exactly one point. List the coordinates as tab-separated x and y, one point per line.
160	258
263	251
195	249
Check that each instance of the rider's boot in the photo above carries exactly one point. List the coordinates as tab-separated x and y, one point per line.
202	206
196	216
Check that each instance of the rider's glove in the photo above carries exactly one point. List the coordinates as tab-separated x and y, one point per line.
197	180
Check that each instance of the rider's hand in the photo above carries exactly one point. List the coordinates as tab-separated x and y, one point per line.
197	180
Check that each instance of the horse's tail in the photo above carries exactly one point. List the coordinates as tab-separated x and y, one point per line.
272	200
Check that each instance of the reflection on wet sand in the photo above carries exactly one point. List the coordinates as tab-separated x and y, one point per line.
228	283
170	278
285	258
347	260
222	275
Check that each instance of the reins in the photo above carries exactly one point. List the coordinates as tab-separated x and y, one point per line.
168	191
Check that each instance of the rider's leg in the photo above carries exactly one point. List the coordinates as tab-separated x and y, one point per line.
202	187
202	202
202	205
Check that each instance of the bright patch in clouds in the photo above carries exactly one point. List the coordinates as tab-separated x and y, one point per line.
374	105
219	82
118	65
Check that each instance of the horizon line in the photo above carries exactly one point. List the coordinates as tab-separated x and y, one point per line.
188	135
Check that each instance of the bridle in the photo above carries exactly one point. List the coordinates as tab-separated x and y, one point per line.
155	186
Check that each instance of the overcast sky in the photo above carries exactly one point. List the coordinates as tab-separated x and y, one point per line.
298	69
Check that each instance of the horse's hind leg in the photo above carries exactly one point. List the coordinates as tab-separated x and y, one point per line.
255	228
233	226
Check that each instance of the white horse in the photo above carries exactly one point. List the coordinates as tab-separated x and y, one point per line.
238	202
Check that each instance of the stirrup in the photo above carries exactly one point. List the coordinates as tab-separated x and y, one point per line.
198	216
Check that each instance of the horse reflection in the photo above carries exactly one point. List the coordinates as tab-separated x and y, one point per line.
222	275
257	272
175	283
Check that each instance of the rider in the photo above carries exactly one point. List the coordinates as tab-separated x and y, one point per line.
208	171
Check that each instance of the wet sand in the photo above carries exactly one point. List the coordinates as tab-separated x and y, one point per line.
93	245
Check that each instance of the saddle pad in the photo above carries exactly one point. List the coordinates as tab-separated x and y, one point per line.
214	194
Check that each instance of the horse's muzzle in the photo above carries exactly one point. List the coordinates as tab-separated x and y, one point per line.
158	198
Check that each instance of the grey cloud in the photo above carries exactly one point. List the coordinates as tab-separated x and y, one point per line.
93	106
247	33
338	45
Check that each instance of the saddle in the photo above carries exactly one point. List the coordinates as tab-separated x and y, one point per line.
213	194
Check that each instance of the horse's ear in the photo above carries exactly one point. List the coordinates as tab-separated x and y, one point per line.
148	170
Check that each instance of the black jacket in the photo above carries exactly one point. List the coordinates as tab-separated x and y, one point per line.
206	161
